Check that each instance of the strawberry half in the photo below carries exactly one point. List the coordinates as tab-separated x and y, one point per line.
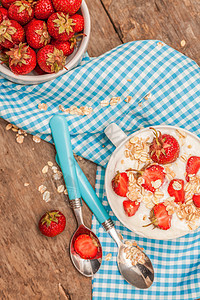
120	184
52	223
176	189
159	217
164	148
192	166
86	246
196	200
130	207
152	174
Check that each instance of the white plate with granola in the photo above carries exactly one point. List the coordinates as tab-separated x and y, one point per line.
153	178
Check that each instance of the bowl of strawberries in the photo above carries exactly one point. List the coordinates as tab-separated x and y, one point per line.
41	40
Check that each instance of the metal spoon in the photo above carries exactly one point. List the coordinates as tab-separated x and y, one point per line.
141	275
61	137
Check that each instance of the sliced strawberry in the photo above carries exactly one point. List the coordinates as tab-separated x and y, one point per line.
176	189
196	200
193	166
86	246
152	174
159	217
130	207
120	184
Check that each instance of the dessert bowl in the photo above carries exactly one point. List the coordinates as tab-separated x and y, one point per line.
71	62
189	146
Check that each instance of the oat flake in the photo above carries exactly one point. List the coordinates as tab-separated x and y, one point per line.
60	189
45	169
26	184
50	164
46	196
108	256
42	188
8	126
42	106
36	139
20	139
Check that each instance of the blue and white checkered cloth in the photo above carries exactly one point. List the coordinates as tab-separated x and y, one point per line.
172	83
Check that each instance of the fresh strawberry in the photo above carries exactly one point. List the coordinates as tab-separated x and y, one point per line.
22	59
164	148
130	207
4	13
21	11
67	6
66	47
79	21
43	9
50	59
7	3
176	189
150	175
11	33
86	246
39	71
159	217
1	17
60	26
52	223
37	35
196	200
120	184
192	166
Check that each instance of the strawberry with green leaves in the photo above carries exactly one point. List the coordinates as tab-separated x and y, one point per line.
50	59
37	35
176	189
67	6
86	246
11	33
22	59
164	148
79	21
192	166
61	26
130	207
66	47
120	184
21	11
159	217
52	223
43	9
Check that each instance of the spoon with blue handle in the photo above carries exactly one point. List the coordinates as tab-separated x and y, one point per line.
140	275
61	137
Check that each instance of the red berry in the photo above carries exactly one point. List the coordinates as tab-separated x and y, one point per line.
66	47
4	13
11	33
7	3
67	6
159	217
52	223
192	166
22	59
164	149
1	17
79	21
120	184
130	207
39	71
43	9
150	175
37	35
50	59
21	11
176	189
196	200
86	246
60	26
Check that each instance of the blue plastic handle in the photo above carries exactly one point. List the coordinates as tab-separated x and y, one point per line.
89	195
61	137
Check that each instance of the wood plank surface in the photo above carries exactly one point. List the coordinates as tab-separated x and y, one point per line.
36	267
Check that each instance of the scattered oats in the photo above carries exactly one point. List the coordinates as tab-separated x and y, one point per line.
61	107
65	192
144	217
57	176
36	139
183	158
82	111
160	44
50	164
129	80
147	96
80	158
20	139
156	184
122	161
60	188
158	194
46	196
42	106
15	126
114	101
42	188
54	169
128	243
8	126
108	256
45	169
128	99
26	184
183	43
181	133
189	146
104	103
14	129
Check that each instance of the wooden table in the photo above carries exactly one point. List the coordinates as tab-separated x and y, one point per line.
35	267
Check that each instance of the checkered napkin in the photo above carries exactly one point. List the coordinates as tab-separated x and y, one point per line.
166	84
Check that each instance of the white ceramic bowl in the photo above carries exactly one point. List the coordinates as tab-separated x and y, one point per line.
72	61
